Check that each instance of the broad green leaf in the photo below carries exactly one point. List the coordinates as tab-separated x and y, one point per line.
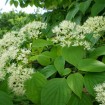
71	14
55	92
97	52
48	71
92	79
59	64
83	6
75	82
73	55
5	99
100	1
85	100
66	71
34	86
40	43
97	8
53	52
43	59
91	65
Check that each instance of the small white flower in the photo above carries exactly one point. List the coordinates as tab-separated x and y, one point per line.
31	30
17	78
100	93
69	34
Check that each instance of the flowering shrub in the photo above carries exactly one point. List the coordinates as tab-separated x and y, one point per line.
63	68
14	56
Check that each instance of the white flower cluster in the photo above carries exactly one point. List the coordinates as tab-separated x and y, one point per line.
14	55
100	93
70	34
9	39
95	25
22	55
8	51
7	55
32	30
17	78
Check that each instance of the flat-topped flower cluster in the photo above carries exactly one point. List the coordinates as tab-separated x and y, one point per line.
15	47
68	33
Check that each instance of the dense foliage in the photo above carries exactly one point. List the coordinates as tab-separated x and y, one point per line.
62	68
59	60
73	10
15	20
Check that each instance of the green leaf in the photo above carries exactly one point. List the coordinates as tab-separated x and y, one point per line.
73	55
77	19
66	71
33	58
53	52
100	1
40	43
51	4
34	86
4	85
103	59
16	3
48	71
92	79
43	59
97	52
75	82
97	8
83	6
55	92
71	14
91	65
5	99
90	38
85	100
59	64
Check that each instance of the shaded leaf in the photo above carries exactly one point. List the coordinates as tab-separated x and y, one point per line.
97	8
34	86
83	6
71	14
85	100
5	99
55	92
92	79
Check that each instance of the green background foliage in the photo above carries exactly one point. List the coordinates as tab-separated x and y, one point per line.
13	21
